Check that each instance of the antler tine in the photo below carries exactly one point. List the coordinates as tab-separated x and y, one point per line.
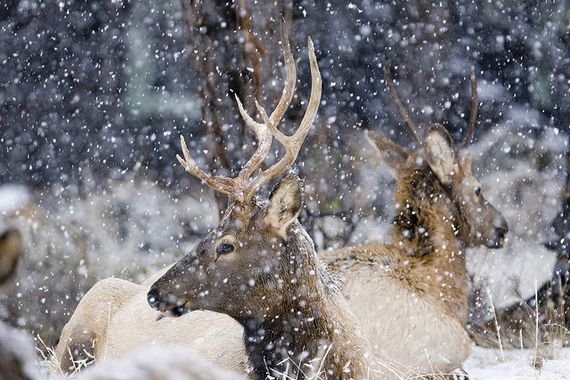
292	144
399	106
237	187
221	184
473	109
289	89
264	138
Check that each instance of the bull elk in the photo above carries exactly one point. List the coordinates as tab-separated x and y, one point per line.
410	296
259	266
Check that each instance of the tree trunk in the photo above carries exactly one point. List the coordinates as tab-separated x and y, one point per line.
234	50
561	223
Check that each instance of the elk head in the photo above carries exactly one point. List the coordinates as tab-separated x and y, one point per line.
478	221
239	267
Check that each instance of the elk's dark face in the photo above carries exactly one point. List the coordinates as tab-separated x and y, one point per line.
235	269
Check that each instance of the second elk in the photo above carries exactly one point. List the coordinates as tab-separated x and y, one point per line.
410	296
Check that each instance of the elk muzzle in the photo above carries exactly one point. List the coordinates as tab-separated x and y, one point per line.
168	304
498	234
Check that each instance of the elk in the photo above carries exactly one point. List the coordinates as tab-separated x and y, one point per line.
410	296
259	267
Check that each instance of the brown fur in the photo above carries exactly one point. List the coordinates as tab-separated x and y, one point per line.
311	318
291	310
427	225
410	296
426	256
11	249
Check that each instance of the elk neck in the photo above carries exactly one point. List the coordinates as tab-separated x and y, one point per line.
427	228
307	325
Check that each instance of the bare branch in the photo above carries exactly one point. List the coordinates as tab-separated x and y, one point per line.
473	109
398	103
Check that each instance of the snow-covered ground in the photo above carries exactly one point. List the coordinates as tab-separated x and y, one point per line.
490	364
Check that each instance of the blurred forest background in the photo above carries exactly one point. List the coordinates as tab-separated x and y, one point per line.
95	94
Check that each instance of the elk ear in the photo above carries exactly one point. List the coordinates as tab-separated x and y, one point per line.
440	153
285	204
11	249
392	154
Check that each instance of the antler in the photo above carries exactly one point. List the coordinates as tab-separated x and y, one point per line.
239	187
473	111
399	106
292	144
260	129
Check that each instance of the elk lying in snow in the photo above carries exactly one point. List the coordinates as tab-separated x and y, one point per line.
410	296
259	267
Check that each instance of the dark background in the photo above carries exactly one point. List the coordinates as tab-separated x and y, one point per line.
104	85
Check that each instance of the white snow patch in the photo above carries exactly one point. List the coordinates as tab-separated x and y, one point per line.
513	272
488	364
13	198
157	363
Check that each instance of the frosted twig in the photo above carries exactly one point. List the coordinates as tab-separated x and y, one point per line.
497	327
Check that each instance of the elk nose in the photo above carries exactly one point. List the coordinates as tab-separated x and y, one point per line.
152	297
503	226
501	230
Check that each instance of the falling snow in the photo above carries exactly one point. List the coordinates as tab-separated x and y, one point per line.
94	96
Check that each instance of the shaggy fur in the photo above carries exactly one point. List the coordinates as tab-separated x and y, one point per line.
11	249
294	318
311	329
411	296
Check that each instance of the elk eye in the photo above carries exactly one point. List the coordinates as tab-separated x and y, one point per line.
477	191
224	248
